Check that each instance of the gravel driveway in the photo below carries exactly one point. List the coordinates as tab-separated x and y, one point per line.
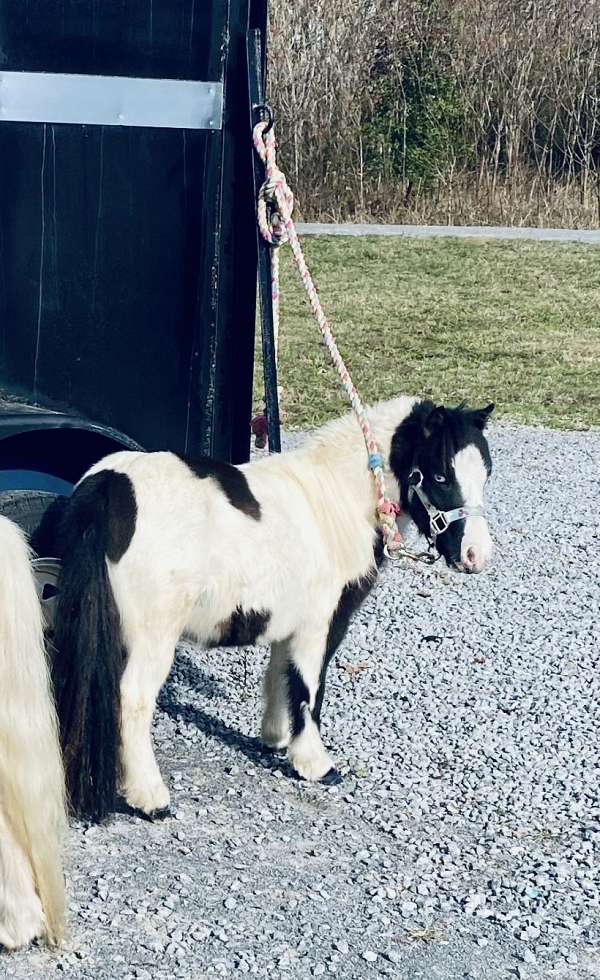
585	235
463	843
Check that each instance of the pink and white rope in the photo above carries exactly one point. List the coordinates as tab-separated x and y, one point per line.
274	211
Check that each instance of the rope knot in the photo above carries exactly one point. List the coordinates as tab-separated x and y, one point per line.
390	507
270	219
275	199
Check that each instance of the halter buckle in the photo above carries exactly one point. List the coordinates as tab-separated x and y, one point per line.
438	523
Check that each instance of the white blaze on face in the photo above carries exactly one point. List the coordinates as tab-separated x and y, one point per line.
471	475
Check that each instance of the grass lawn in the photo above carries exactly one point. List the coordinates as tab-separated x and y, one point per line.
517	323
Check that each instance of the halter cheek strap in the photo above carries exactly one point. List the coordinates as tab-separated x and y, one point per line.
439	520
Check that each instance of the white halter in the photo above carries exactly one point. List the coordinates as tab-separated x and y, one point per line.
439	520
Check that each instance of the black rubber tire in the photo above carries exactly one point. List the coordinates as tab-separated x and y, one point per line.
38	513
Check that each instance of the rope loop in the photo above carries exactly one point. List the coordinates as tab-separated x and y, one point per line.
274	212
270	219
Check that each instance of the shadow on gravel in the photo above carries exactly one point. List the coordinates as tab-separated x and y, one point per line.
185	671
251	747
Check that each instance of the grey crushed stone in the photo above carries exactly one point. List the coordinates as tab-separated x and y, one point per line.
464	840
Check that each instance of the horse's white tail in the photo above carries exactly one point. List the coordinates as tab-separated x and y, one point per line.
32	802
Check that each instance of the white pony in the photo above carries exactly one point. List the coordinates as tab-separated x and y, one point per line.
280	551
32	805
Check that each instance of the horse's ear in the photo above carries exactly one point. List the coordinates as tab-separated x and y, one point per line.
479	416
434	421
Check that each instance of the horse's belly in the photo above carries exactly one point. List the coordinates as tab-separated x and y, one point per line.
239	627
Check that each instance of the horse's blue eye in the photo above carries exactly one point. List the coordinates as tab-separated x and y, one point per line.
439	477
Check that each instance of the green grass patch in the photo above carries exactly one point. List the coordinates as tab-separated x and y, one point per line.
517	323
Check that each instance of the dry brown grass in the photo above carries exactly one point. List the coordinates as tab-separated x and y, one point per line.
510	133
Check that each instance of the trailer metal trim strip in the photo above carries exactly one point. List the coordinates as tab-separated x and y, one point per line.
110	100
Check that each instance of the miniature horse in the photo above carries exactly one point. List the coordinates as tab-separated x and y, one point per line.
280	551
32	806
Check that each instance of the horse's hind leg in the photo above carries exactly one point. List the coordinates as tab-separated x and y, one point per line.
21	914
276	721
306	751
146	671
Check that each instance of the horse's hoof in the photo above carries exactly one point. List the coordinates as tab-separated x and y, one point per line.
271	750
331	778
161	814
135	811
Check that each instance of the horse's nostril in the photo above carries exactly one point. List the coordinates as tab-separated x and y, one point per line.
471	556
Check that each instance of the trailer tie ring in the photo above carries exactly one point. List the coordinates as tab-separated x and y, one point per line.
265	110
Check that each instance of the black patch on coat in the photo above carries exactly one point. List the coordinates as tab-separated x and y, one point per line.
121	514
232	481
107	495
243	628
352	597
297	697
90	655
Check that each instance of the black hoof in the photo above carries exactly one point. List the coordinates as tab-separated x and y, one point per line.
133	811
161	814
331	778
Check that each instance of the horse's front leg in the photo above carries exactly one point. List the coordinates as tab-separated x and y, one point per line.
306	666
276	726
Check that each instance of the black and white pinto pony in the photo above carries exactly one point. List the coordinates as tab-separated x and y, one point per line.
280	551
32	805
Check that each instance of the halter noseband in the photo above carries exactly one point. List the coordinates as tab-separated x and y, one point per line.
439	520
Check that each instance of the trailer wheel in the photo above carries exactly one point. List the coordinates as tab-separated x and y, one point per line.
38	514
46	572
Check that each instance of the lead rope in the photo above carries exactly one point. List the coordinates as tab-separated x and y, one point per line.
274	212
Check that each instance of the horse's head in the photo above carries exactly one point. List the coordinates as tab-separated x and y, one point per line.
441	460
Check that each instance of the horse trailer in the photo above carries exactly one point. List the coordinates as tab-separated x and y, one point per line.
128	242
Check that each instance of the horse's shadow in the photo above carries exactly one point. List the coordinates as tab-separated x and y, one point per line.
169	701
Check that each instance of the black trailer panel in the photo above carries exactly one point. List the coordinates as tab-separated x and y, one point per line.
128	254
